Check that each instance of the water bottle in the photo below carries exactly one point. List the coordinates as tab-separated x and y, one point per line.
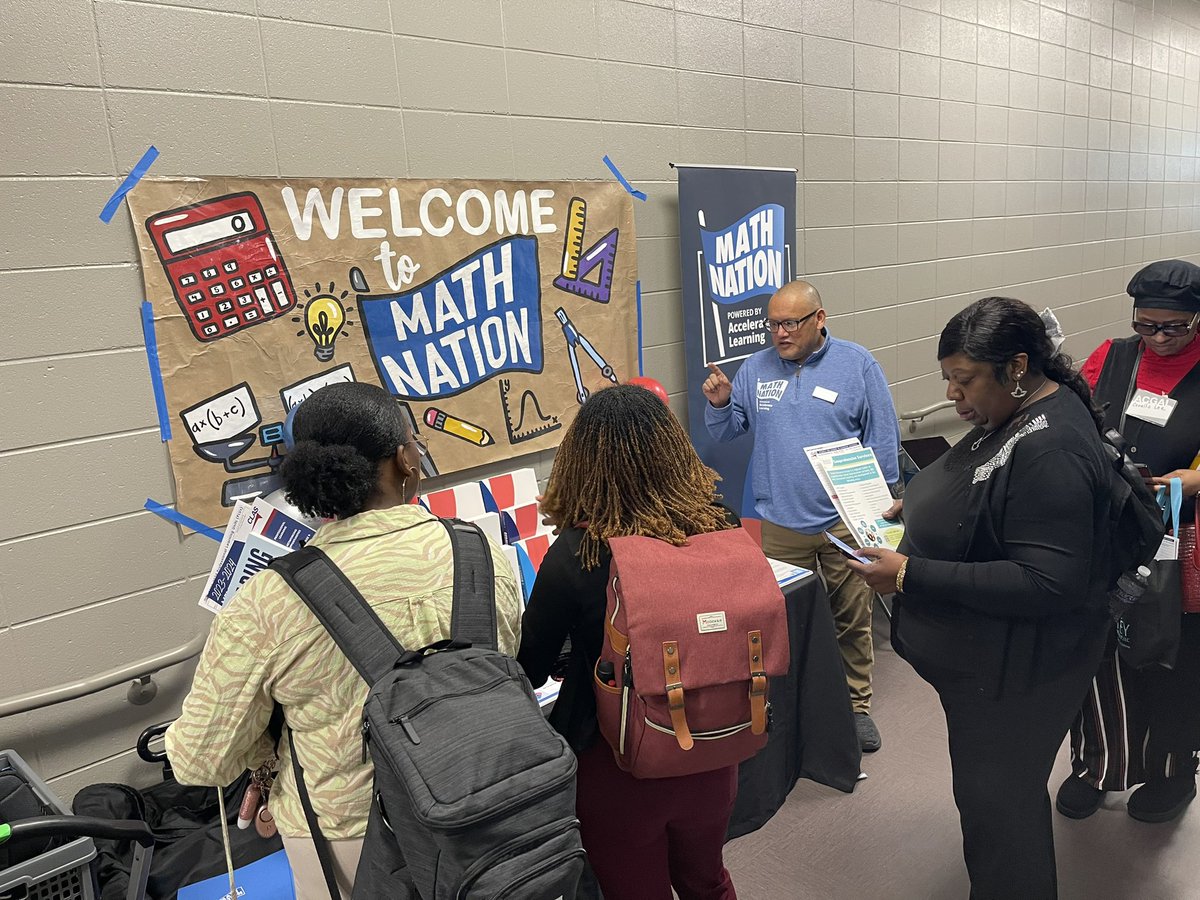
1128	591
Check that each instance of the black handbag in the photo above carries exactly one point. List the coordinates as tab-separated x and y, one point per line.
1148	631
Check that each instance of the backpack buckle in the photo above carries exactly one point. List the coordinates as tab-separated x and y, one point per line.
673	678
758	682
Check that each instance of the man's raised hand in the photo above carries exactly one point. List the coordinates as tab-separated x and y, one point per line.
717	388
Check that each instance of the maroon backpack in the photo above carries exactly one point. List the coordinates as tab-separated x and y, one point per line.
691	635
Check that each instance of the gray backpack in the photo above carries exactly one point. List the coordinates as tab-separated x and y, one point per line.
474	793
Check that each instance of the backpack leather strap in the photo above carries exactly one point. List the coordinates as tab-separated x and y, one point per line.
758	683
673	674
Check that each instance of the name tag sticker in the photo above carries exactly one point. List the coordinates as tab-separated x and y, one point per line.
825	394
709	622
1153	408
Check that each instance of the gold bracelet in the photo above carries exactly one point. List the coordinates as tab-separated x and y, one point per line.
900	576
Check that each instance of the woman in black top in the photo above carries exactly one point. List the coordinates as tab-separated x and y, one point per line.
1001	582
625	467
1142	726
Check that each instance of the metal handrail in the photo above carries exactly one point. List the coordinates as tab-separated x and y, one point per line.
918	415
142	690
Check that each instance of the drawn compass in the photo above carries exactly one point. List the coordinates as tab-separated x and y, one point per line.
575	340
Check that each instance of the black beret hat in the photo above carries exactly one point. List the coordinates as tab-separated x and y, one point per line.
1167	284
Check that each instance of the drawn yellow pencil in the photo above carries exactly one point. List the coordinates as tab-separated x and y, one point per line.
448	424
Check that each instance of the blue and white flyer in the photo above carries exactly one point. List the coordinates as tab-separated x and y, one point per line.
863	496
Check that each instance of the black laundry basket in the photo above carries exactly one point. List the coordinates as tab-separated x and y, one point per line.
63	872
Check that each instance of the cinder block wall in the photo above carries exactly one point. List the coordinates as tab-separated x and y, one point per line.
946	149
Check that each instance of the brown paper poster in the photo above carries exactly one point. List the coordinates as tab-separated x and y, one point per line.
490	309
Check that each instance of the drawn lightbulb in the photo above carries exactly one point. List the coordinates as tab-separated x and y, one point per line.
324	317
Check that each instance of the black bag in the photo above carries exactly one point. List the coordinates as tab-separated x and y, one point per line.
474	793
1135	520
187	834
1148	631
18	801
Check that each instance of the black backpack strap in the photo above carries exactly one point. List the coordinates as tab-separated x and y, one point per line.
314	827
337	604
474	615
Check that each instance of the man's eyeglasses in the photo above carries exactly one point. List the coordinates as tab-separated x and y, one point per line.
1170	329
788	325
422	444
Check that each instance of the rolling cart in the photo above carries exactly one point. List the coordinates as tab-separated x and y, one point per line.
64	872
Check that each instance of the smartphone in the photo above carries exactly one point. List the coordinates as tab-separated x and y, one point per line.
1144	471
845	549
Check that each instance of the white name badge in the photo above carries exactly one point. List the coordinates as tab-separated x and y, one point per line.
1168	549
825	394
1153	408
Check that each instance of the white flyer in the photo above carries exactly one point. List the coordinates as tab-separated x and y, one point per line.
818	453
861	495
785	573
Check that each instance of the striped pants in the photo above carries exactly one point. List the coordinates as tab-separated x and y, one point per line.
1137	725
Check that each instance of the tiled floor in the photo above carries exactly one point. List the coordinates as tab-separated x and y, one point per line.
896	837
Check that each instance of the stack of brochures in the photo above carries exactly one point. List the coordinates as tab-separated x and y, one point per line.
256	534
851	476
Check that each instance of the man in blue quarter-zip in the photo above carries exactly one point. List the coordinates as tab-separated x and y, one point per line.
810	388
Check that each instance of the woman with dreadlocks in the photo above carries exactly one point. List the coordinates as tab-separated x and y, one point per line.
625	467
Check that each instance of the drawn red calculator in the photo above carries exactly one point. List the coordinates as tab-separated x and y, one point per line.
223	264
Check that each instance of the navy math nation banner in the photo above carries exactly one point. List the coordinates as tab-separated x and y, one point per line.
737	232
489	309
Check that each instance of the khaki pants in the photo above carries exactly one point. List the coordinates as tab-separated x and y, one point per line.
850	598
306	866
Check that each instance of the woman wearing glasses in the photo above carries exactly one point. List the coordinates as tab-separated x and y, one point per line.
355	461
1143	726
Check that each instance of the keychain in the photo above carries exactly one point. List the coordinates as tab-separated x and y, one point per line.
255	798
264	823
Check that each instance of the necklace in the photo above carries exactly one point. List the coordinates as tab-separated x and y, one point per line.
1033	396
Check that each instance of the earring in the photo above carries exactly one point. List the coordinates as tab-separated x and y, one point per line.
1018	392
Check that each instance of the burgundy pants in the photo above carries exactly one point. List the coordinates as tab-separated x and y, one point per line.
644	836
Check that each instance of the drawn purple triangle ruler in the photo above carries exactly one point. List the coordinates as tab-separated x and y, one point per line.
602	255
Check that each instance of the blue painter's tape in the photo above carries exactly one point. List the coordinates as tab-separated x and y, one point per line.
173	515
156	379
641	195
131	180
641	368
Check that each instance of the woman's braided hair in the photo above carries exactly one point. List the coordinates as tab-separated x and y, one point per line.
626	467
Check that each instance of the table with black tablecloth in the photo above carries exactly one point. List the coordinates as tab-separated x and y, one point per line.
812	723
